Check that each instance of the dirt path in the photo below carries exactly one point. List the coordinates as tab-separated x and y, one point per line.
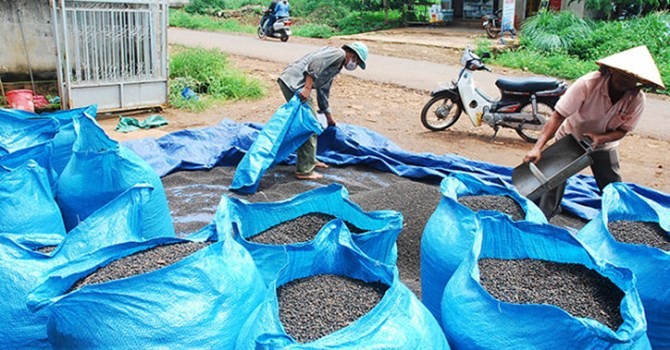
394	111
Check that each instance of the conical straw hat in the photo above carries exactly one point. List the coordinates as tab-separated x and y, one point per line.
636	62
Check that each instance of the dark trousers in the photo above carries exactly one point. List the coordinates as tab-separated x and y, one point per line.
605	169
306	153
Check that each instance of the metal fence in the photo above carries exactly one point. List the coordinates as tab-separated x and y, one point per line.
112	53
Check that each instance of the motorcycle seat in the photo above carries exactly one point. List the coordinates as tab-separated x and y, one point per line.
527	84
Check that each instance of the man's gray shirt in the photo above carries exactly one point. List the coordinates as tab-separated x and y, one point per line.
322	65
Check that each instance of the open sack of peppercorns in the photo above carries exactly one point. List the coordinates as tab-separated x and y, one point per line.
448	234
529	285
331	295
27	258
269	229
167	292
634	231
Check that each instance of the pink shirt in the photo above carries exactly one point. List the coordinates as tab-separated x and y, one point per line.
587	107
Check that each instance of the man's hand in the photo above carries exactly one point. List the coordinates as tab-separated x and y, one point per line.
303	95
596	139
331	121
533	155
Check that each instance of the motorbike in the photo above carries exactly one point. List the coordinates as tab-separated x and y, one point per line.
492	24
280	29
525	103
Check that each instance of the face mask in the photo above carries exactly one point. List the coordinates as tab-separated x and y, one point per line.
351	65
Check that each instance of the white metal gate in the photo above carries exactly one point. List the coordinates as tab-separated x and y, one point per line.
112	53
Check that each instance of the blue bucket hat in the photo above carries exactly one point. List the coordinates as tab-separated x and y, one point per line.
361	51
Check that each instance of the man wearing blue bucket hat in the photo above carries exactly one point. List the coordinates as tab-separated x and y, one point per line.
317	70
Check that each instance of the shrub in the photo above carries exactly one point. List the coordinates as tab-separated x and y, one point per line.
208	73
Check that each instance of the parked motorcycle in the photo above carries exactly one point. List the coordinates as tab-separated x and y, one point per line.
525	103
280	29
492	24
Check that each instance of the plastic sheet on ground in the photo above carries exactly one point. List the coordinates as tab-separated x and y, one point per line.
650	265
99	170
290	126
450	232
241	219
399	321
128	124
199	302
23	267
226	143
472	318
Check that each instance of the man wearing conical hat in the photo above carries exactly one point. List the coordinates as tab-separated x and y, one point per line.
601	106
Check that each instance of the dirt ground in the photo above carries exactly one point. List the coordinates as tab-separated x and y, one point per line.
394	111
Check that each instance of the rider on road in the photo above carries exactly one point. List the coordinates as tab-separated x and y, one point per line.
277	9
602	106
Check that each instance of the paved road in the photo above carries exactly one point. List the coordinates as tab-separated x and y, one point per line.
410	73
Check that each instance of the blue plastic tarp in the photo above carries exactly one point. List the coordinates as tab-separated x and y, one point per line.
199	302
472	318
99	170
22	267
241	219
27	203
20	129
345	144
450	232
398	321
650	265
290	126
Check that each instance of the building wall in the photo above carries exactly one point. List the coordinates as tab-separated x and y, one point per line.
35	19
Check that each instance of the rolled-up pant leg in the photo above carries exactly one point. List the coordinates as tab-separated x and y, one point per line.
307	152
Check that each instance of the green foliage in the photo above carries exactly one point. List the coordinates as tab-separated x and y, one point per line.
360	22
611	37
607	9
311	30
556	65
328	14
210	75
181	19
576	49
549	31
177	101
205	6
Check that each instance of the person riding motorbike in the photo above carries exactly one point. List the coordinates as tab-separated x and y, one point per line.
277	10
602	106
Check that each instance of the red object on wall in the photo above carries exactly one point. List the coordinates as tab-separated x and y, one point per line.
555	5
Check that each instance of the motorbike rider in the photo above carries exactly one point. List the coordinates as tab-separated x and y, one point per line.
280	9
270	13
602	106
316	70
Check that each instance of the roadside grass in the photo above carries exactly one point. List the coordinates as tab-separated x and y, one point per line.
558	44
566	46
182	19
209	74
311	26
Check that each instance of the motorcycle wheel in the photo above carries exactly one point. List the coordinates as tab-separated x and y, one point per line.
492	32
543	109
261	33
440	113
284	38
